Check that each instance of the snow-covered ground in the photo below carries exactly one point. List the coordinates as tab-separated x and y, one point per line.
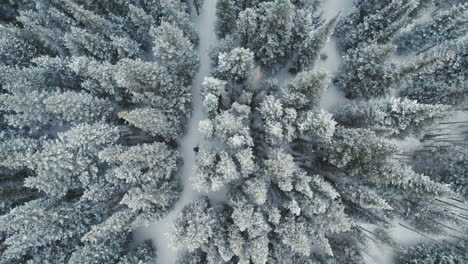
160	231
332	96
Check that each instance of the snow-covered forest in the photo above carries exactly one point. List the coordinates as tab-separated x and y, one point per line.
233	131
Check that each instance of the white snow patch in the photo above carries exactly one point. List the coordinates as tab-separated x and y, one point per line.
332	63
284	76
404	236
332	97
332	7
379	253
407	144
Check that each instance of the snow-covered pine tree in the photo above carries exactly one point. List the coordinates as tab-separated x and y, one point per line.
90	20
449	163
81	42
247	25
74	107
45	74
316	125
55	220
279	121
69	163
367	72
194	225
63	146
306	20
143	254
156	122
361	63
305	89
447	83
217	168
175	51
175	12
443	27
276	22
362	154
139	25
394	116
374	22
23	113
432	252
236	65
141	76
358	151
47	24
311	45
16	48
213	93
53	109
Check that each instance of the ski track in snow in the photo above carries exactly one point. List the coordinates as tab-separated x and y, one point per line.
159	232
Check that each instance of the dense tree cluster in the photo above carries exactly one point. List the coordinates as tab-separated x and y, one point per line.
432	253
375	30
302	181
275	30
93	96
447	83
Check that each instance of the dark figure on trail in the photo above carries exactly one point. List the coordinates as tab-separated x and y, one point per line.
196	149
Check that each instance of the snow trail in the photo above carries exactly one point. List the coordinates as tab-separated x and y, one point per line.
333	96
160	231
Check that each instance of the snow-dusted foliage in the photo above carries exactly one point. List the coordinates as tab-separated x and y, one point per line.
175	50
95	98
89	124
305	90
432	253
274	31
447	83
300	181
375	21
394	116
154	121
217	167
247	25
15	48
448	25
374	60
312	43
236	65
278	121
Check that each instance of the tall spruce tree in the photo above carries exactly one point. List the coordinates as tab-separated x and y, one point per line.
272	42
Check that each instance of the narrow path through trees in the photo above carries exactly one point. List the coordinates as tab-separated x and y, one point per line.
204	24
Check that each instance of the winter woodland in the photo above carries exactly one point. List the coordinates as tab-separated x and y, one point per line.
233	131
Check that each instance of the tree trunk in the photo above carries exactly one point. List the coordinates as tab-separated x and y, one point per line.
195	3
